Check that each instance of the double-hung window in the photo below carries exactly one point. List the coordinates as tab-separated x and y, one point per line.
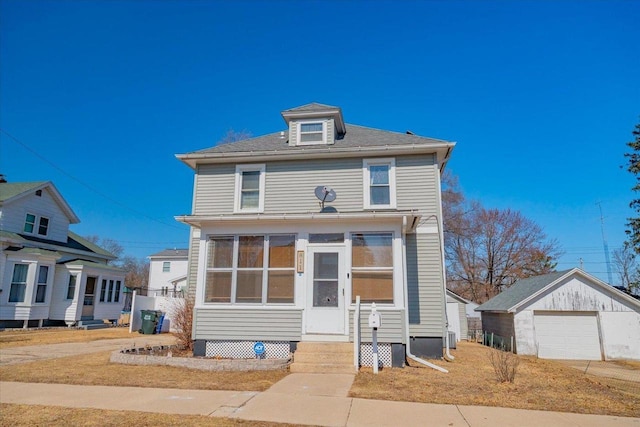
41	289
71	288
372	267
310	133
30	222
18	283
250	186
250	269
166	266
379	183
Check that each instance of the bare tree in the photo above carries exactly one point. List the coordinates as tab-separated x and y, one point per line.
109	245
234	136
137	273
487	250
624	260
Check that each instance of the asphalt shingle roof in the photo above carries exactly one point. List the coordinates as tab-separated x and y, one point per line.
520	291
9	190
355	137
171	253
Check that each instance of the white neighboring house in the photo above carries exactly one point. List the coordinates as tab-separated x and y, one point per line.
168	272
48	274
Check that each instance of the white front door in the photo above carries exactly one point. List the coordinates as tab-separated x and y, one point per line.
325	290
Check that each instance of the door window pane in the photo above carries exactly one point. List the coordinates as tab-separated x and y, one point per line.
249	287
250	251
280	288
325	279
325	293
218	286
325	265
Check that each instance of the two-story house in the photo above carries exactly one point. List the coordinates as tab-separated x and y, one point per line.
289	228
48	274
168	272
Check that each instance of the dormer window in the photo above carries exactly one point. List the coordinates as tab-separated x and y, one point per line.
312	133
30	224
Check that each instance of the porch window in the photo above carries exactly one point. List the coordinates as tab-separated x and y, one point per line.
71	288
116	295
18	283
250	186
379	183
372	267
250	269
103	290
41	289
110	291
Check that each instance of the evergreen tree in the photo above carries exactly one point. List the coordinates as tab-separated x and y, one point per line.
633	230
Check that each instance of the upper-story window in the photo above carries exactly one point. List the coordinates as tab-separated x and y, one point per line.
250	181
166	266
379	183
30	224
312	133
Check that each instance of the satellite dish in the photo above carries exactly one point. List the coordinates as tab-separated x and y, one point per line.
324	194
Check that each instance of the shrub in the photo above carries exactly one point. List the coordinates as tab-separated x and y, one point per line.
505	364
182	317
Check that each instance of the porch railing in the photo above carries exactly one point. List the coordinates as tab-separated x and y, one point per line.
356	335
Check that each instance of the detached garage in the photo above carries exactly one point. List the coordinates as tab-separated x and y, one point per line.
565	315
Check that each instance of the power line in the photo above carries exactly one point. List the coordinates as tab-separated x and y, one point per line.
79	181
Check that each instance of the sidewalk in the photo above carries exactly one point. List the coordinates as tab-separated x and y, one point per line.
311	399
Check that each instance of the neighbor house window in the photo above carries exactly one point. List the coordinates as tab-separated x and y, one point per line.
103	290
29	223
372	267
379	183
250	184
43	226
41	289
250	269
166	267
71	288
18	283
311	133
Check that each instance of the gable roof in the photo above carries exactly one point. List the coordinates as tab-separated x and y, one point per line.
311	107
524	290
74	243
171	253
11	191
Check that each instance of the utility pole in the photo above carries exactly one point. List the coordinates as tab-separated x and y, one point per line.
605	245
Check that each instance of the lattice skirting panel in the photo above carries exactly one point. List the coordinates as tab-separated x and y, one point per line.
384	355
244	349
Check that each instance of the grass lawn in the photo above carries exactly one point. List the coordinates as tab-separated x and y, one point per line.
539	384
19	338
37	415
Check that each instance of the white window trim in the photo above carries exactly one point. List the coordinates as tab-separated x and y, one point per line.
238	190
324	132
366	163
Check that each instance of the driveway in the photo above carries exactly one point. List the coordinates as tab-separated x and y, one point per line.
11	356
608	369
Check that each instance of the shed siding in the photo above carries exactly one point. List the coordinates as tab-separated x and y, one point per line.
247	324
621	334
424	283
464	326
391	329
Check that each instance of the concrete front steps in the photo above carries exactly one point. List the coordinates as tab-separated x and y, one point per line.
89	324
323	358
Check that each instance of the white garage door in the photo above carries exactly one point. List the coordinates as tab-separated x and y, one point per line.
572	336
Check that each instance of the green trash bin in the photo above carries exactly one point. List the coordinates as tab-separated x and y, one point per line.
149	321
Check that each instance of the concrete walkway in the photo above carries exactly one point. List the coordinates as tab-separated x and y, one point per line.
11	356
304	399
608	369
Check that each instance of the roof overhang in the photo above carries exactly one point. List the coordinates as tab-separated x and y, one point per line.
442	150
408	218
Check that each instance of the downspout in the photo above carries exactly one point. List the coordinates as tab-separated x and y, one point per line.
406	305
439	224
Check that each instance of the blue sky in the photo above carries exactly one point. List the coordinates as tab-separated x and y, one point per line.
540	97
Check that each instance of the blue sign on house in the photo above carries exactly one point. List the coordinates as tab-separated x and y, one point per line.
259	348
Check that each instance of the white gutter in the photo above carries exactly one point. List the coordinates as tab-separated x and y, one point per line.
406	305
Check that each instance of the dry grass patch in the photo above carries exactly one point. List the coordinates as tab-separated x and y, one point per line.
95	369
37	415
539	384
20	338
